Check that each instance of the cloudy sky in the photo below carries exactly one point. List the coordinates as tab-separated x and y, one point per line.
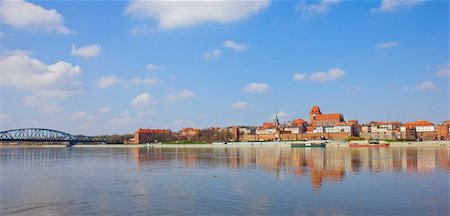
112	67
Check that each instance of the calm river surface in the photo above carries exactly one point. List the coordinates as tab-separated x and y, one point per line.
224	181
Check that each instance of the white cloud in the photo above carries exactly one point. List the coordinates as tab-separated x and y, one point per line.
153	67
145	113
44	103
143	100
179	95
182	123
46	100
213	54
105	82
78	114
300	76
46	82
425	85
145	81
141	29
239	105
81	115
322	7
122	119
86	51
282	114
385	45
175	14
394	5
333	73
28	16
104	109
4	117
256	87
234	45
20	71
50	107
444	70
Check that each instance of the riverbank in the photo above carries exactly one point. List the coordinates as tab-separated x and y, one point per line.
331	144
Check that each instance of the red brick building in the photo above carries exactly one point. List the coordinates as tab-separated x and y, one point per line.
317	119
443	130
267	128
189	133
147	135
298	122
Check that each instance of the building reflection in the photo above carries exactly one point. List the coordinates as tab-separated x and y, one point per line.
321	165
317	165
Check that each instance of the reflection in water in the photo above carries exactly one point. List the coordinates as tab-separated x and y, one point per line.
228	181
322	164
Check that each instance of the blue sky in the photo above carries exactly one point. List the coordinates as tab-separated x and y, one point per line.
112	67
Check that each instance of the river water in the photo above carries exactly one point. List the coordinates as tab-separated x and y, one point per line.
224	181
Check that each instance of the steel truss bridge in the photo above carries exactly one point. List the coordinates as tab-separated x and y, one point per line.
45	135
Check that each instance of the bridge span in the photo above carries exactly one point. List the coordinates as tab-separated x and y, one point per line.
45	135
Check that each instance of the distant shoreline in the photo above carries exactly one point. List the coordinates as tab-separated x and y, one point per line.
332	144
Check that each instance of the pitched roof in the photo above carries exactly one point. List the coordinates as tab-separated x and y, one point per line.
267	125
352	122
141	130
315	110
332	116
298	122
418	123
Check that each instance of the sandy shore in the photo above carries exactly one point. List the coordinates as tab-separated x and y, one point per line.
237	145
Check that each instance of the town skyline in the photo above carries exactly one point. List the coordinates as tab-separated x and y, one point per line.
141	65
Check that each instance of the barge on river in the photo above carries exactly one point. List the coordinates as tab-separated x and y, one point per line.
304	145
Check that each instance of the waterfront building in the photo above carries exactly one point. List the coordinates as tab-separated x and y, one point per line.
422	130
294	129
317	119
443	130
189	133
247	130
342	128
355	127
420	126
408	133
217	129
266	129
298	126
299	122
381	130
379	127
148	135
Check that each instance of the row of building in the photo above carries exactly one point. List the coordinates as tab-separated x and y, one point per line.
331	126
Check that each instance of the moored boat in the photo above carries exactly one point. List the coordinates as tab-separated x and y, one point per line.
368	145
303	145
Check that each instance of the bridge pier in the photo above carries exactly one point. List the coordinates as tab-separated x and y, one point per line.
70	144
